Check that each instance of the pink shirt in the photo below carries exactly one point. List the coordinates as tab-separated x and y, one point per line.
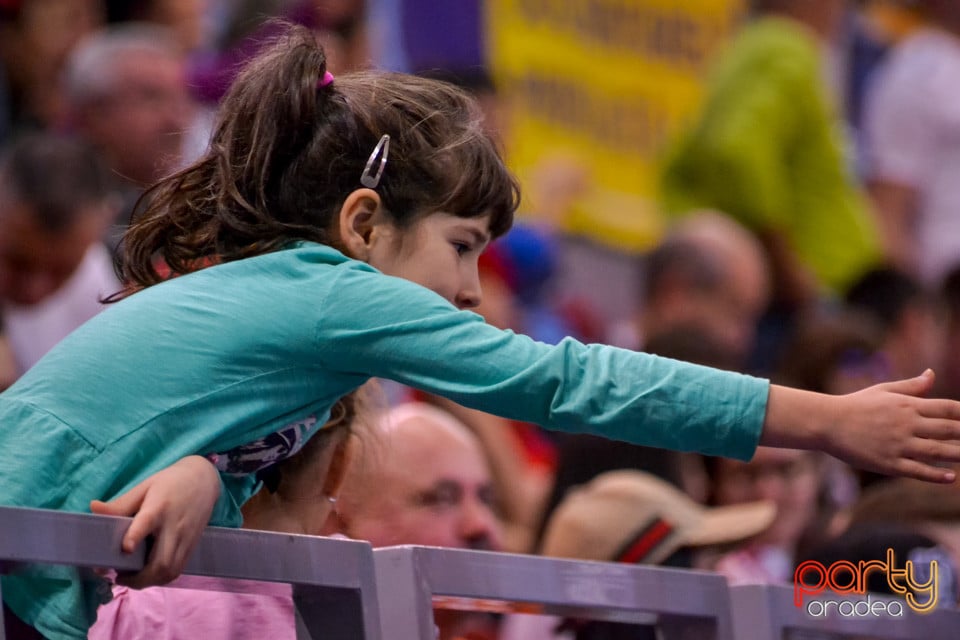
913	136
188	609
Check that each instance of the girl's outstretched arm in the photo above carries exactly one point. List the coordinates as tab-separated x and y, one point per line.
889	428
174	506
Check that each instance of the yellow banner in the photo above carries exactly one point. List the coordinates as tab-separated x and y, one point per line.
607	83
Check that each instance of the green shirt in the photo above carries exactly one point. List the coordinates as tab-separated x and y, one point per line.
212	361
766	149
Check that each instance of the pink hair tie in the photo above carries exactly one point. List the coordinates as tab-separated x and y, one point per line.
326	79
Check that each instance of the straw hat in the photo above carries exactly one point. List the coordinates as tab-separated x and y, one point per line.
632	516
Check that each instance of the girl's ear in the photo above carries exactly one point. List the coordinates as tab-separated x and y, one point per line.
359	214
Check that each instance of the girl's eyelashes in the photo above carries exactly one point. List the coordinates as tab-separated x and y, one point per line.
461	248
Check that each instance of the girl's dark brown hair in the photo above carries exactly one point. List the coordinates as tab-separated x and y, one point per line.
286	152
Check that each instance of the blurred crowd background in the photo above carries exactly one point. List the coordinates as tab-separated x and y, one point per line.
771	187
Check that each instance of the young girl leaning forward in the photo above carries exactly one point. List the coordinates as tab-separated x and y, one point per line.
345	218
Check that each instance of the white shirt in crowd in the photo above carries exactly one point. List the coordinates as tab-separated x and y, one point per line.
34	330
913	139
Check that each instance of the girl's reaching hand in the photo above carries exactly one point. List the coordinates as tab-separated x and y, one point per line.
888	428
174	506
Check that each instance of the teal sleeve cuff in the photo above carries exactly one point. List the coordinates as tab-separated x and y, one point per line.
234	491
745	444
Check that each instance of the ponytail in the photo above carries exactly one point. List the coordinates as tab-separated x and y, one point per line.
229	204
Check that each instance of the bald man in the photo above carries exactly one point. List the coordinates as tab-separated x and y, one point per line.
421	478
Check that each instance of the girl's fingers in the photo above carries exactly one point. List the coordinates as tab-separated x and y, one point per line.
941	409
933	451
151	575
129	504
173	506
124	505
154	574
916	386
145	522
165	564
937	429
923	471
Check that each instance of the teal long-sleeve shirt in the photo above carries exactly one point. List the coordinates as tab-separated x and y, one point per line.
216	361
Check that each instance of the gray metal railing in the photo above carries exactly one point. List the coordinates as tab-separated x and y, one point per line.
345	590
335	596
681	604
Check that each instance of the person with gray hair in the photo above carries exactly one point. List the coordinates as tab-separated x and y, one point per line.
126	93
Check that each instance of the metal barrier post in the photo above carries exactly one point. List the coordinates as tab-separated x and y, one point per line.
683	604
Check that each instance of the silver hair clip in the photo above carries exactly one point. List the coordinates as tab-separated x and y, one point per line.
382	149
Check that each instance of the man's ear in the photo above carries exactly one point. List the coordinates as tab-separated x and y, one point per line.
339	465
337	473
360	212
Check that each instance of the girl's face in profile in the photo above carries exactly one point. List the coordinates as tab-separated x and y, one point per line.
440	252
